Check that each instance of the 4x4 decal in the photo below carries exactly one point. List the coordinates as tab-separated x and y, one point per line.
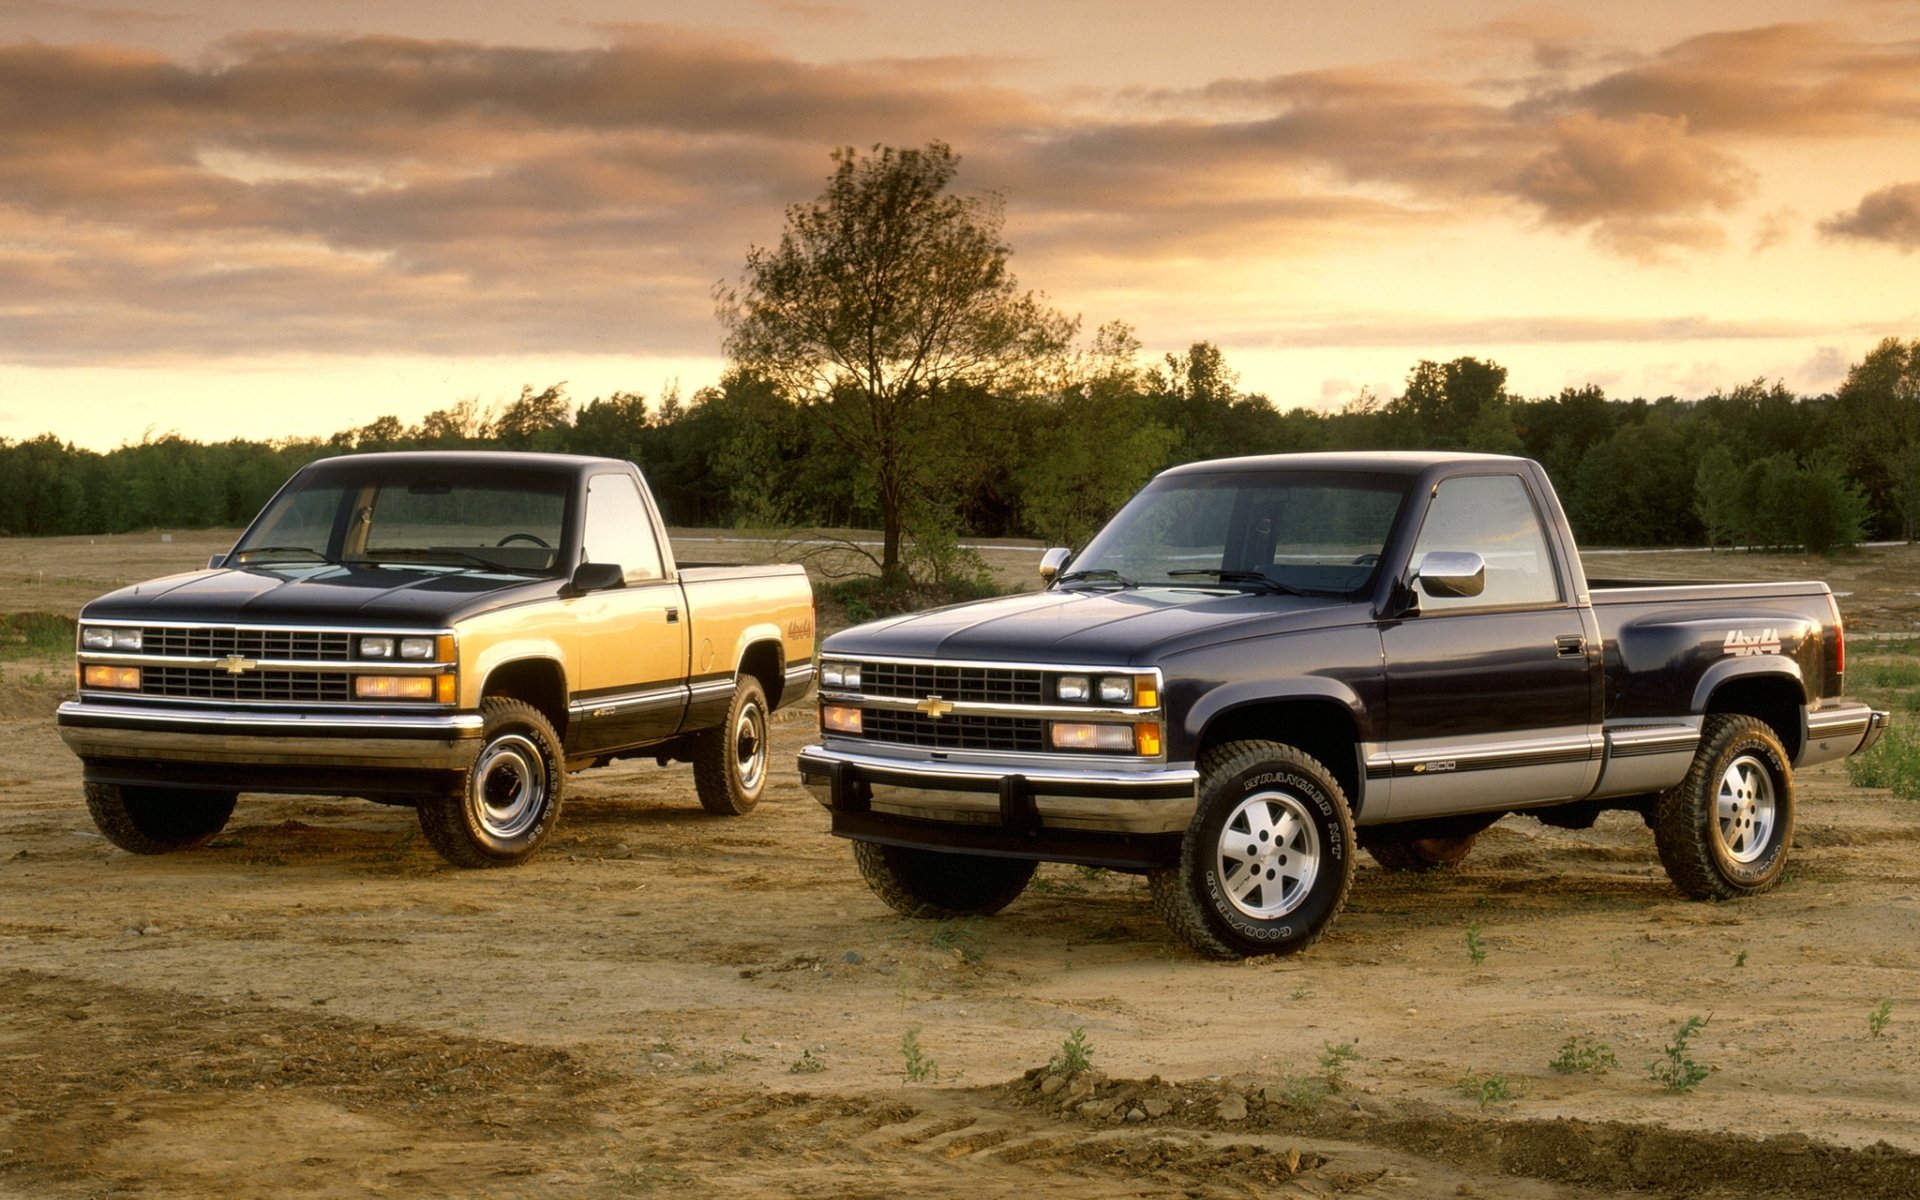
1746	645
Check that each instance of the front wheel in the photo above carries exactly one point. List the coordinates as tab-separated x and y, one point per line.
730	763
509	801
157	820
1724	831
936	884
1267	862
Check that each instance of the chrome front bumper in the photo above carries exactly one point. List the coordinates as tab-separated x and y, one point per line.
426	742
1009	797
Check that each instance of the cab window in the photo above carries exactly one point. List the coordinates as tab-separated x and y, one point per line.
1494	517
619	530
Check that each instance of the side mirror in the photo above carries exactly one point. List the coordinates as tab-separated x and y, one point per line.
1051	563
597	577
1457	573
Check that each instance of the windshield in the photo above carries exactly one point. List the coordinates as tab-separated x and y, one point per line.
1280	531
503	524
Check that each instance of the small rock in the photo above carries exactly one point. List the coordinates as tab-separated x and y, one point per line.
1233	1107
1157	1107
852	956
1135	1116
1292	1159
1052	1084
1096	1109
1081	1086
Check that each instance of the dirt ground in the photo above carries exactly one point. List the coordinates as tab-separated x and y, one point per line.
669	1003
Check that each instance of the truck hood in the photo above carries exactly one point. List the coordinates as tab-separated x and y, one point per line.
322	595
1135	627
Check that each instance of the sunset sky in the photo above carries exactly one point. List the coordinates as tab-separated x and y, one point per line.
288	217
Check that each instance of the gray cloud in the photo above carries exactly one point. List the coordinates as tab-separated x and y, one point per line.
362	195
1890	215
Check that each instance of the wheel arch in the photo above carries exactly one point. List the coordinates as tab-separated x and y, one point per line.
765	659
1777	698
540	682
1323	725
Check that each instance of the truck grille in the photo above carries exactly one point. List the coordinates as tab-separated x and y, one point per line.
983	685
283	645
203	683
1018	734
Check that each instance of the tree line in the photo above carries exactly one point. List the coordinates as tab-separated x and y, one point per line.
887	372
1755	466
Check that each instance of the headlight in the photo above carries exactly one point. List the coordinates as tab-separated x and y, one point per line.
1116	689
1072	687
840	675
376	647
107	637
416	647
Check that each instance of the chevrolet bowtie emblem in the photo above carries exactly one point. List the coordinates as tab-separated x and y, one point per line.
234	664
935	707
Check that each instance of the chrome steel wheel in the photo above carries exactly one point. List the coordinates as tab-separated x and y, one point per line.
750	747
1269	855
509	787
1746	809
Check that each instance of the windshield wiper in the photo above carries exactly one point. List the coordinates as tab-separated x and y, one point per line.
1098	575
1228	575
298	552
450	557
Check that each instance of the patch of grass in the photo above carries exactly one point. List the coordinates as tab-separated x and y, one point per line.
1893	764
1485	1089
959	936
1740	958
1878	1018
1882	674
918	1067
1303	1093
1584	1057
806	1064
1076	1053
35	635
1476	949
1676	1069
1336	1059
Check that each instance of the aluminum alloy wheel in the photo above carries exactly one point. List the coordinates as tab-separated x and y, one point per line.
1746	809
1269	855
509	791
750	747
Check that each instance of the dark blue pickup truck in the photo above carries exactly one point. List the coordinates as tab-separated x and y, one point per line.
1261	664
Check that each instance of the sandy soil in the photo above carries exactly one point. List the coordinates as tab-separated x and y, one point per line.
668	1002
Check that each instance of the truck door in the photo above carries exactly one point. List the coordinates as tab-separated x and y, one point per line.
1490	698
630	684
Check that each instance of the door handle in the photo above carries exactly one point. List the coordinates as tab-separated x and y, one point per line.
673	616
1570	645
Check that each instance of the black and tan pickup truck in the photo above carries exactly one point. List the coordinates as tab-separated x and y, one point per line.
454	631
1261	664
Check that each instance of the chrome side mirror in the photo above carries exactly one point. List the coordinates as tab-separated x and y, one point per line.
1457	573
1051	563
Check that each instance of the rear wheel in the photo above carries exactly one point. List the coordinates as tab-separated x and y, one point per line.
933	883
1267	862
157	820
730	763
1724	832
509	801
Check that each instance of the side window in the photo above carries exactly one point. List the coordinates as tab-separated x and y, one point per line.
1492	516
618	529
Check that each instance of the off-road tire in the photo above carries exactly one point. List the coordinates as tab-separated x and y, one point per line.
730	763
937	885
1724	832
1279	894
509	800
157	820
1438	851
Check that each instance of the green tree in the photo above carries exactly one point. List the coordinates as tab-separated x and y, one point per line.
536	421
1447	402
1877	414
884	293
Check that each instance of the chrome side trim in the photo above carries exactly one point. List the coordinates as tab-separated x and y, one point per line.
627	702
1837	729
1648	757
